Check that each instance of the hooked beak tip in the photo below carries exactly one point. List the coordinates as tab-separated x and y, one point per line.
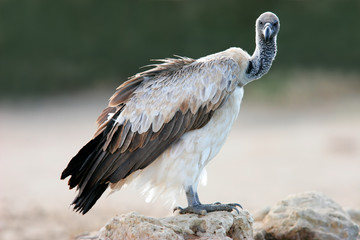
267	32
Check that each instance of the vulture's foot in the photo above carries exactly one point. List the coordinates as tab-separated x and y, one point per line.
202	209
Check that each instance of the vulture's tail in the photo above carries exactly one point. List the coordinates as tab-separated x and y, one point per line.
80	169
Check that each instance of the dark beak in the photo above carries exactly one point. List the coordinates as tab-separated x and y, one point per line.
267	32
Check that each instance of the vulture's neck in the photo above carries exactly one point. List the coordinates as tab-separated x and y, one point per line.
260	62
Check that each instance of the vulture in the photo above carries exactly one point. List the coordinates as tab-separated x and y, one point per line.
162	126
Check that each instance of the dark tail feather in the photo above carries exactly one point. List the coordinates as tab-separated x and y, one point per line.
84	202
78	168
81	168
87	155
77	163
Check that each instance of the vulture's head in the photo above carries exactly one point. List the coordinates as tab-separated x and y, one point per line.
267	26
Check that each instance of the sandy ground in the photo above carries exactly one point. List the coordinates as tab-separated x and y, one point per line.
271	152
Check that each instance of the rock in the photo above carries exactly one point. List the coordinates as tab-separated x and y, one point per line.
354	215
216	225
260	214
309	215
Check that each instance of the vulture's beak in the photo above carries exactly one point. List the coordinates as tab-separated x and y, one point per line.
267	32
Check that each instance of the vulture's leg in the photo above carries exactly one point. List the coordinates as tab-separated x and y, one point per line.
194	205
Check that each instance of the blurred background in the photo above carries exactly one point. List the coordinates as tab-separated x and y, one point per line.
60	61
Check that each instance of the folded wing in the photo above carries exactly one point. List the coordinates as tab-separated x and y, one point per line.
145	116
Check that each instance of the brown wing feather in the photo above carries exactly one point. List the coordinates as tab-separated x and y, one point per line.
104	115
124	92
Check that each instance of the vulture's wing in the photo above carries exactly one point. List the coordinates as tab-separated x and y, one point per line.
145	116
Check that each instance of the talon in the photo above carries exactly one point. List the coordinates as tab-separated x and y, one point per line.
237	210
203	209
177	208
236	205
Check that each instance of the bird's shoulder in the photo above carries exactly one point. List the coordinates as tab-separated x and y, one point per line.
233	55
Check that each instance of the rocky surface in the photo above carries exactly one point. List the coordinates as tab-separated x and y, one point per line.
309	215
216	225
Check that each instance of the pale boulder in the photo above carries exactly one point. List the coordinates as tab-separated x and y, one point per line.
309	215
216	225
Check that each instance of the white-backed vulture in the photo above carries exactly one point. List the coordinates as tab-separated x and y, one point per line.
164	125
